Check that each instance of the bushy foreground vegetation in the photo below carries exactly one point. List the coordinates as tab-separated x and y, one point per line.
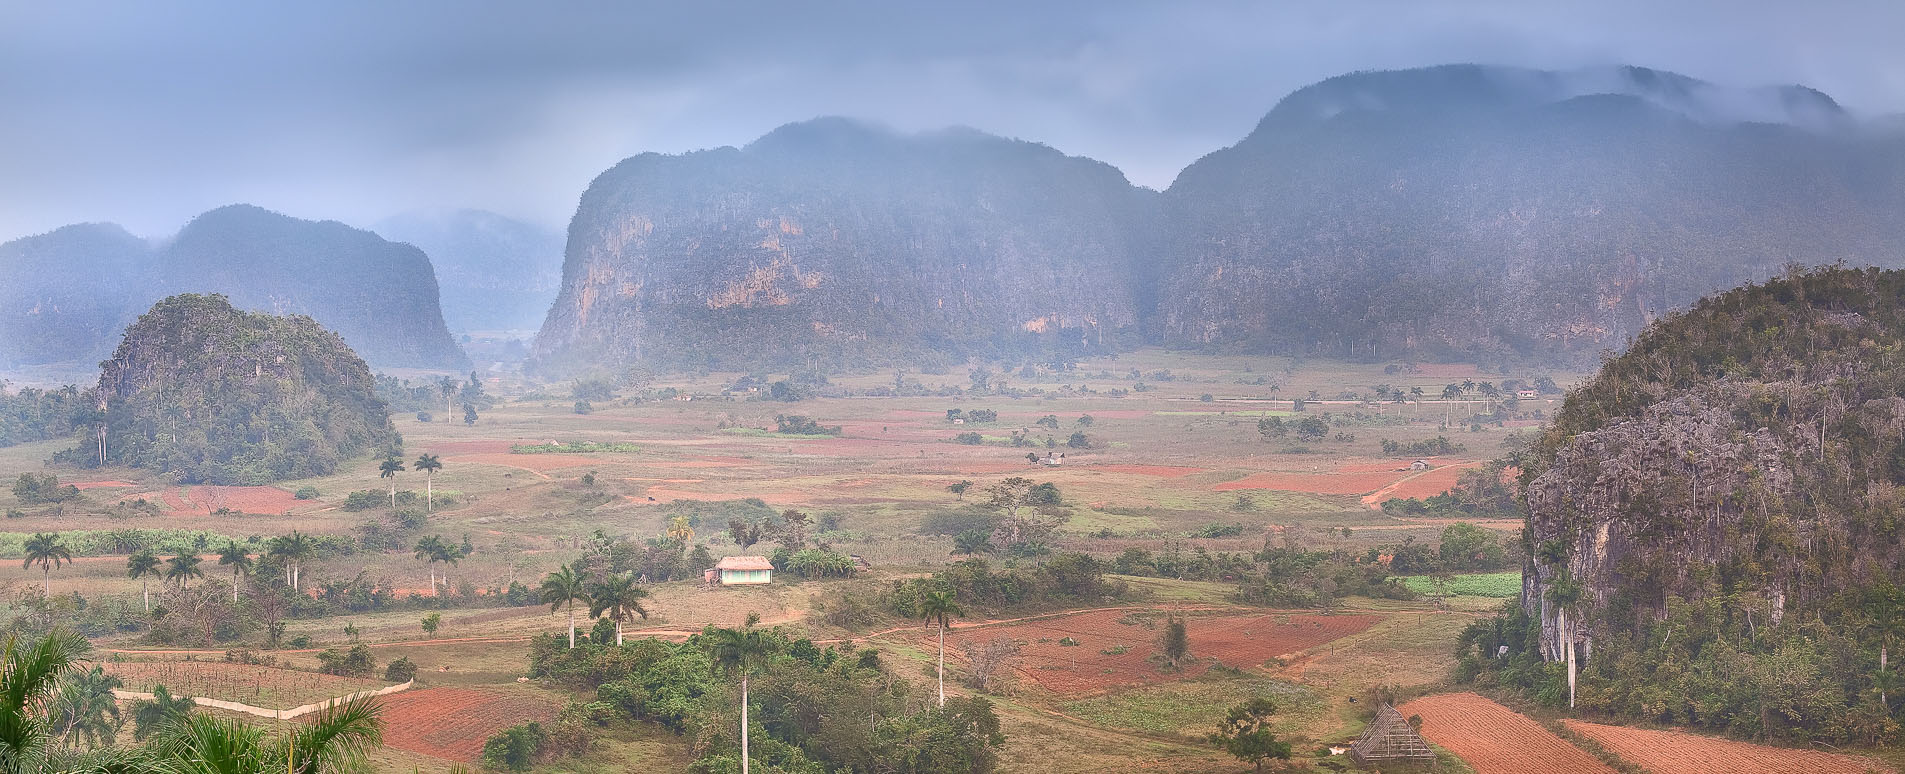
811	710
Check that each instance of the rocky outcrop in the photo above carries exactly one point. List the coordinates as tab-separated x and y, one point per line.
1748	450
838	242
64	295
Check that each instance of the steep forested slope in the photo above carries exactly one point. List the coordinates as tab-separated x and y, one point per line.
205	392
1488	213
840	242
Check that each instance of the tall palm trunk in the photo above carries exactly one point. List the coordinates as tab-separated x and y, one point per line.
572	623
942	664
146	593
393	494
46	581
1568	642
1882	654
743	721
429	493
618	634
234	587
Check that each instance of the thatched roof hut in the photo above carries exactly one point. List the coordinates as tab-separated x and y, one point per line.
1390	739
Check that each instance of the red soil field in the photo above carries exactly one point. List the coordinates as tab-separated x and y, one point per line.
1318	483
1161	471
1379	466
453	723
535	462
696	463
1431	483
1676	752
1497	740
244	499
1070	670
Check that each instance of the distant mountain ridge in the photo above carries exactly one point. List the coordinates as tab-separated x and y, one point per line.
1461	212
494	273
73	291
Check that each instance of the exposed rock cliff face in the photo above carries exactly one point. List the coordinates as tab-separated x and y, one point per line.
835	241
1488	212
1748	449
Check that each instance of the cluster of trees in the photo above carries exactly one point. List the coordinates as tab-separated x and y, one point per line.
42	415
1066	579
1428	447
801	550
748	695
1725	662
426	397
1481	493
56	716
34	490
1017	519
1309	428
795	424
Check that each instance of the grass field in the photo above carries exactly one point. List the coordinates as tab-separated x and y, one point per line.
1159	465
1493	585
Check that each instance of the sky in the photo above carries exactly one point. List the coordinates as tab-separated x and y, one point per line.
146	114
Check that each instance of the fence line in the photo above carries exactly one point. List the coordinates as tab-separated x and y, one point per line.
284	714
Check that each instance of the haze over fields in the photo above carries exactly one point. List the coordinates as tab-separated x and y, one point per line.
855	387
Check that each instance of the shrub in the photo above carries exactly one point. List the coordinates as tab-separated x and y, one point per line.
515	748
307	493
583	407
1078	441
402	670
970	439
366	499
795	424
1218	531
356	662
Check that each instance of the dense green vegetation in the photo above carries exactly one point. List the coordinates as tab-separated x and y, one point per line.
1716	512
204	392
42	415
574	447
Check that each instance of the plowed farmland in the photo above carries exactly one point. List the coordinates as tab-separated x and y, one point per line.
452	723
1675	752
258	686
1114	648
1497	740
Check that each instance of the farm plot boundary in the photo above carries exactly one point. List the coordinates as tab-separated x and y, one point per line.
278	714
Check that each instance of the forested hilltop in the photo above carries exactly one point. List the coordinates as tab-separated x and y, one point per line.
205	392
1715	518
68	295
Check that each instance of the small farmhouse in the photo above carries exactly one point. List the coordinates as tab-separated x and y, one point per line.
744	570
1419	465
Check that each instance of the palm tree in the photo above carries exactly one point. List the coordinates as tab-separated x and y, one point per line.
389	468
85	709
183	568
1564	593
46	550
293	549
236	557
739	650
142	565
619	597
563	588
939	606
29	672
163	709
1415	395
429	464
335	741
432	550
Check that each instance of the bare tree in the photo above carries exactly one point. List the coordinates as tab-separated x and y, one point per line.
988	661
